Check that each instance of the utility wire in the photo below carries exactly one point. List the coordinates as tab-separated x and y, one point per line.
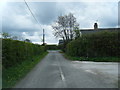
34	18
31	12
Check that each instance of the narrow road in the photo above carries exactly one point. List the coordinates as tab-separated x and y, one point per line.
54	71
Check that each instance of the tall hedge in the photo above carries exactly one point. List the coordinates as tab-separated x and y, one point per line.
95	45
14	52
51	47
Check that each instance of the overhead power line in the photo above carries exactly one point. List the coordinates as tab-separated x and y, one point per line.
35	20
31	12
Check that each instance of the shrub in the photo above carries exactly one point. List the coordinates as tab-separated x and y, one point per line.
14	52
95	45
51	47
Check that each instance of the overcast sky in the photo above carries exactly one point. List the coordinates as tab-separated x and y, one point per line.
17	19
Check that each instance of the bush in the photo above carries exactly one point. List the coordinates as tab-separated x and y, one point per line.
14	52
95	45
51	47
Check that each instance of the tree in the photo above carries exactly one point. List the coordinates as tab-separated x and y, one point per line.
27	40
14	37
77	32
5	35
64	27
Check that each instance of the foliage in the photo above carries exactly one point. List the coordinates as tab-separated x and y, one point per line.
14	38
77	32
5	35
13	74
101	44
96	59
64	27
27	40
67	28
52	47
15	52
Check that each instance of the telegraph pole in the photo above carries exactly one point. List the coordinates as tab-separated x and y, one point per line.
43	37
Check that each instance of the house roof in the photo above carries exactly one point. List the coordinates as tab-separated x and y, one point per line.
89	31
100	29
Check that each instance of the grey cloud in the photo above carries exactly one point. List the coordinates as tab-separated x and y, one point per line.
14	8
46	12
17	18
119	13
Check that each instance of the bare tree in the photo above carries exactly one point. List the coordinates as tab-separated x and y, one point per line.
64	27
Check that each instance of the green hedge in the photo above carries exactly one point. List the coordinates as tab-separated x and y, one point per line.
14	52
99	44
52	47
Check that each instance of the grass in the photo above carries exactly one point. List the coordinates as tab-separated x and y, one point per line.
95	59
12	75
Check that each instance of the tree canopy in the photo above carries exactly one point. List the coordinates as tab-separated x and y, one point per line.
65	27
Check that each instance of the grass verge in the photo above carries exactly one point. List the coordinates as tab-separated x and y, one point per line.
95	59
12	75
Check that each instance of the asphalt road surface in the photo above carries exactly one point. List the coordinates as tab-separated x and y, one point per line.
54	71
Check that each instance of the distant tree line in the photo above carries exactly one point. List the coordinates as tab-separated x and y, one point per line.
52	47
6	35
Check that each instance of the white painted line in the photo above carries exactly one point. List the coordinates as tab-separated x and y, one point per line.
61	74
91	72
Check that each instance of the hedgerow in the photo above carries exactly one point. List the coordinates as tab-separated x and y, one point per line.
99	44
52	47
14	52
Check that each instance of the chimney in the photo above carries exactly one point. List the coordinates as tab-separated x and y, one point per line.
95	26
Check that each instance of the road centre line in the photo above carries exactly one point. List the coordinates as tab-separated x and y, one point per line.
61	74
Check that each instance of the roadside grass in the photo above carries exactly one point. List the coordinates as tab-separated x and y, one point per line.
118	82
61	51
95	59
12	75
